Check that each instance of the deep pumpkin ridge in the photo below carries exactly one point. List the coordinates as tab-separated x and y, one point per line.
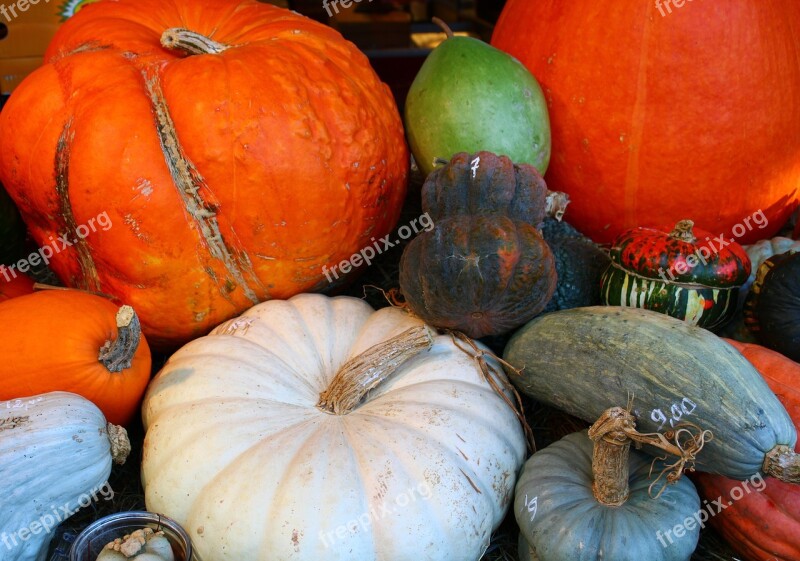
189	182
90	279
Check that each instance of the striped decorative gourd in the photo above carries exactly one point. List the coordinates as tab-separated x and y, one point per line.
686	274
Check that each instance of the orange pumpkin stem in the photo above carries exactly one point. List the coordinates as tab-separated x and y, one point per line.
683	231
190	42
446	28
118	355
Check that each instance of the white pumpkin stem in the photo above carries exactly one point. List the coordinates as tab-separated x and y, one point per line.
610	465
783	463
190	42
118	355
120	444
364	372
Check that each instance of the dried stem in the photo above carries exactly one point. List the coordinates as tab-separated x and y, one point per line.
366	371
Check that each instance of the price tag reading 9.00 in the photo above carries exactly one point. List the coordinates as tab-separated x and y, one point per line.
676	412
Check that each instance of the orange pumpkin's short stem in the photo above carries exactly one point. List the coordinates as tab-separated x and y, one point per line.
364	372
117	355
610	465
683	231
190	42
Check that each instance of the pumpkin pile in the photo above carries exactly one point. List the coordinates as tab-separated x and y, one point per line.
192	170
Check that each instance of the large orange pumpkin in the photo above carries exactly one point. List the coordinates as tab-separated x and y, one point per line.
67	340
762	526
229	176
660	112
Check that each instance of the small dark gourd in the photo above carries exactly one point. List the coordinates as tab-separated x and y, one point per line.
588	497
579	264
681	273
772	309
484	268
485	183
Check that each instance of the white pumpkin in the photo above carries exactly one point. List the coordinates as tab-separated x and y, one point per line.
243	452
56	451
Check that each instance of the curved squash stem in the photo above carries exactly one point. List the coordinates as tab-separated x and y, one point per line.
783	463
120	444
190	42
491	375
685	442
446	28
366	371
610	465
118	355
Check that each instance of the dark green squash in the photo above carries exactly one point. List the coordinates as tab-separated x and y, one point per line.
682	273
485	183
579	263
562	518
12	230
772	308
586	360
483	275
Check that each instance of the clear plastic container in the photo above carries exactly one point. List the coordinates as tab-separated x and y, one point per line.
91	541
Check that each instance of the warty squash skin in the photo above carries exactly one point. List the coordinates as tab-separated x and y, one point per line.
242	453
228	177
585	360
56	452
765	525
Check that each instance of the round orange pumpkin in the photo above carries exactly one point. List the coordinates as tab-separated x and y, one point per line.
234	157
67	340
659	112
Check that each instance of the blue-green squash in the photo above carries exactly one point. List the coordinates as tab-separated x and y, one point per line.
585	360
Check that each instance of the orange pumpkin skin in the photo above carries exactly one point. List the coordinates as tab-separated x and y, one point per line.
656	118
287	155
51	342
762	526
14	286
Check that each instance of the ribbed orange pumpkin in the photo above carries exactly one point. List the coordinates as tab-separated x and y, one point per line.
762	526
67	340
660	112
230	176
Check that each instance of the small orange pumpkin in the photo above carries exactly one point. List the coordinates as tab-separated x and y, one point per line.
66	340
